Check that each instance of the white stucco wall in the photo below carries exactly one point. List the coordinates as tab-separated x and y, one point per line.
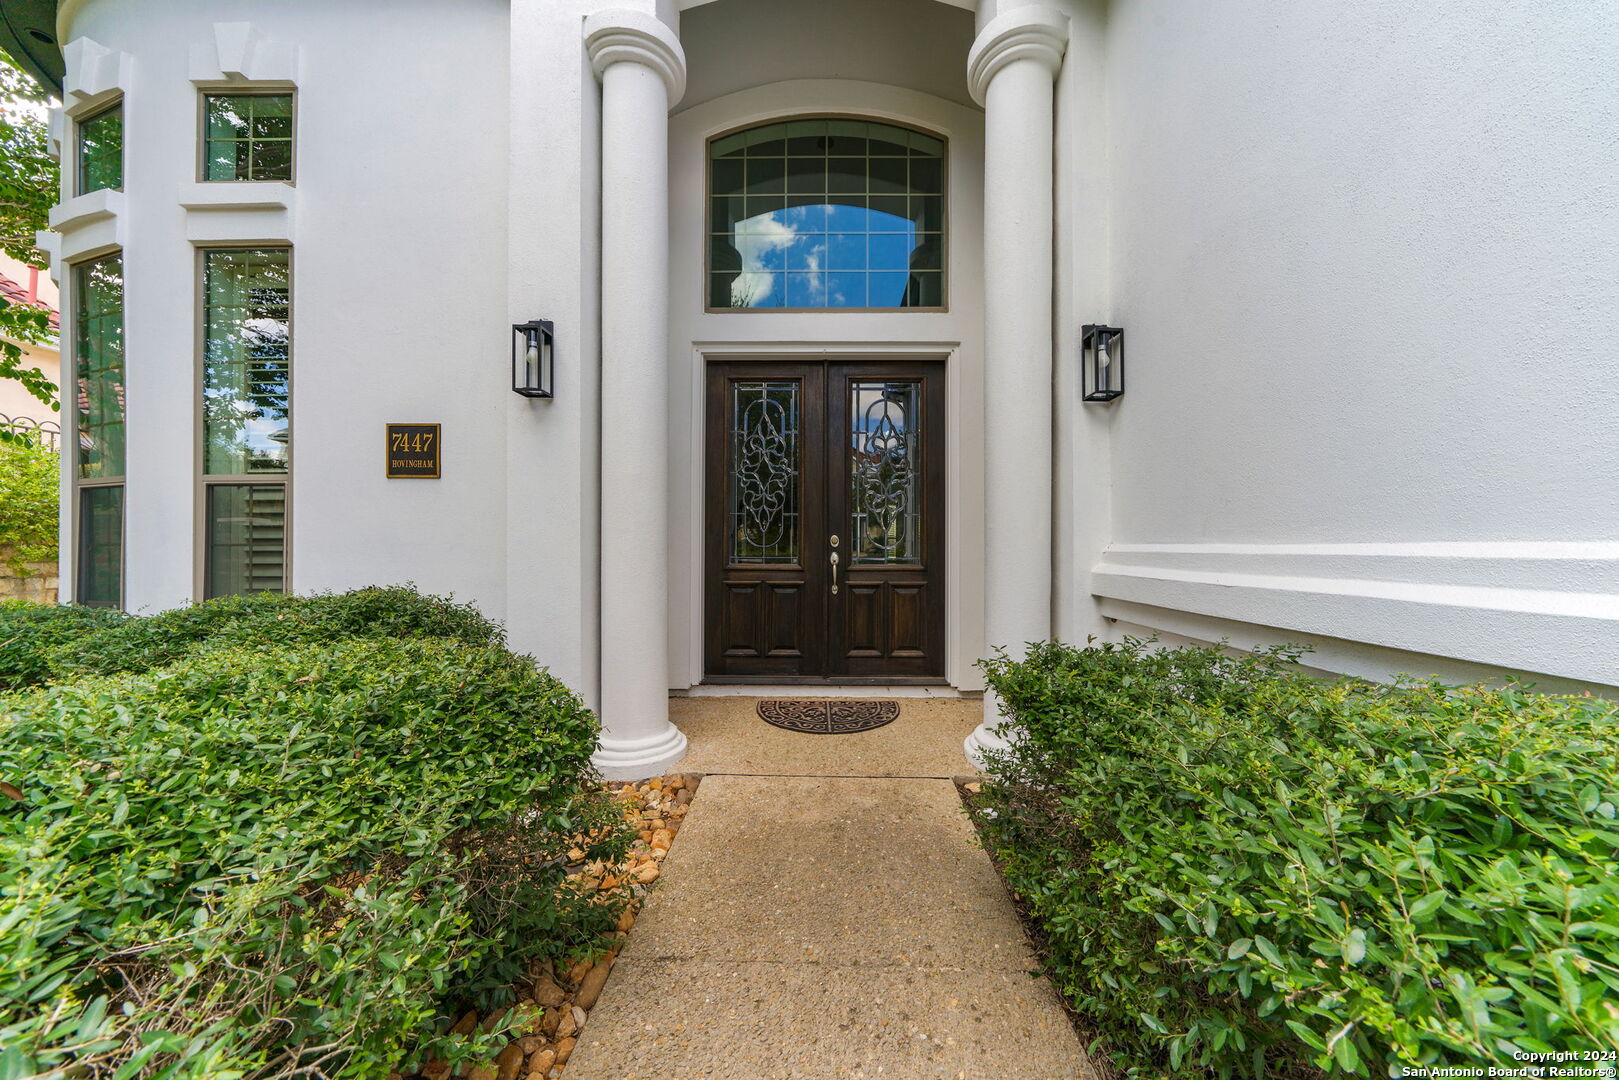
409	188
1365	259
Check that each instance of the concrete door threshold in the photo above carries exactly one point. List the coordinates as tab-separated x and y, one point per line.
823	690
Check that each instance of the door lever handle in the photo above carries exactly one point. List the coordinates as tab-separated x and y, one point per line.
834	573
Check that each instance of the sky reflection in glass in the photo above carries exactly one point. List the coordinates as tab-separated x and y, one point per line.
826	214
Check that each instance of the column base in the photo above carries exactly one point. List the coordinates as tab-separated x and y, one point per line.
983	738
637	759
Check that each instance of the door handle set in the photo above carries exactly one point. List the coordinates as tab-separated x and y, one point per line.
834	543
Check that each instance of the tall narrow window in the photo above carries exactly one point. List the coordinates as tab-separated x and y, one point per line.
98	355
101	150
247	136
246	384
826	213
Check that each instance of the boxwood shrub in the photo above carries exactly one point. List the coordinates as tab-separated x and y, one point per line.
29	632
1240	870
284	860
44	642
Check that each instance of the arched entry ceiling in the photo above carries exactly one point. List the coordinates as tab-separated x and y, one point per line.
733	45
966	5
28	33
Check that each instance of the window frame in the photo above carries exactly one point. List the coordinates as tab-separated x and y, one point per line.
945	229
70	438
116	104
201	533
266	90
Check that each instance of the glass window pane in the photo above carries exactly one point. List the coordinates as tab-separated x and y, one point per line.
101	150
247	536
247	136
853	196
727	177
98	349
246	372
271	161
763	509
101	547
226	116
885	503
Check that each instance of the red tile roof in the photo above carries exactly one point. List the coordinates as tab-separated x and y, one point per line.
18	294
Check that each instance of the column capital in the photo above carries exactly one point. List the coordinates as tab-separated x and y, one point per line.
1034	32
625	36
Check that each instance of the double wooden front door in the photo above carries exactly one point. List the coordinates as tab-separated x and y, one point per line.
825	521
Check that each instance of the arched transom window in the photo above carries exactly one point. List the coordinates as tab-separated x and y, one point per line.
826	214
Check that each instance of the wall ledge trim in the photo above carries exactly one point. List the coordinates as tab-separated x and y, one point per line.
86	225
238	195
240	53
1550	607
96	76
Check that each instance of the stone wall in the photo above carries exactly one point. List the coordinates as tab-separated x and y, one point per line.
39	585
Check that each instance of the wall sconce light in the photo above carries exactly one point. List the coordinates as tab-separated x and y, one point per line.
1102	357
532	359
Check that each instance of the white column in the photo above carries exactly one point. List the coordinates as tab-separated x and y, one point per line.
1010	72
643	73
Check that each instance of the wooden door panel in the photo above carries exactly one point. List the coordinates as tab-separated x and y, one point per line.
864	621
800	453
763	445
786	619
886	502
907	621
739	620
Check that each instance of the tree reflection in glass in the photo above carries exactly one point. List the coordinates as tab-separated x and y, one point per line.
245	362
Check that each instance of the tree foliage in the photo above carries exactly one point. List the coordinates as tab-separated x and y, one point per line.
29	186
28	508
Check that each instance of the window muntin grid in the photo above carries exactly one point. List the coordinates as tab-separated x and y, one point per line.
246	540
247	136
826	214
101	150
98	355
97	291
246	397
245	361
101	546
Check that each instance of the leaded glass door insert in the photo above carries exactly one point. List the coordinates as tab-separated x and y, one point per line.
825	514
885	498
764	503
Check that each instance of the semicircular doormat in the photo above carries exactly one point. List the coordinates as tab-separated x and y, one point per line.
828	717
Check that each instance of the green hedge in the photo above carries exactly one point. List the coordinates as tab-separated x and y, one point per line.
1241	870
278	861
51	642
29	632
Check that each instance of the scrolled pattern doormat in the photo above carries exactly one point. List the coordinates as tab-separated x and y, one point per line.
826	717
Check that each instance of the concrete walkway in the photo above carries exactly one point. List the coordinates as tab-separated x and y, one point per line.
828	916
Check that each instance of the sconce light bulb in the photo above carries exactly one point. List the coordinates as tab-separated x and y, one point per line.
533	354
1102	358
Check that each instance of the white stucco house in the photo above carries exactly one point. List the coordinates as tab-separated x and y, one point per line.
807	283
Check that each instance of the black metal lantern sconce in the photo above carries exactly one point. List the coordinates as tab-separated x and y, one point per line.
1102	357
533	360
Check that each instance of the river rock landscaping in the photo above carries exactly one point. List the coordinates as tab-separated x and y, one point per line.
285	836
554	1000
